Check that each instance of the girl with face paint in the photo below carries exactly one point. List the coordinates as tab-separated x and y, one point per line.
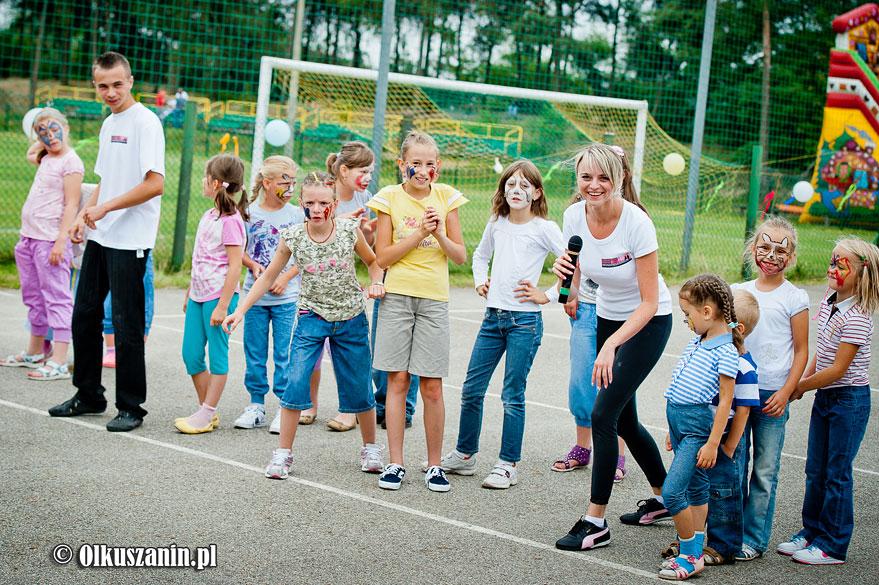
44	252
779	345
839	371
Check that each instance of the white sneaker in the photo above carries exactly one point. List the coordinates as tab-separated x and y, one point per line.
815	556
502	476
254	415
279	466
371	458
454	462
275	427
796	543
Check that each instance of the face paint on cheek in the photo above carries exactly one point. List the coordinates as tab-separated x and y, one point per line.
307	213
843	269
410	171
431	173
327	212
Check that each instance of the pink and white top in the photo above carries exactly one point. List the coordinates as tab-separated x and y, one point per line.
210	263
42	211
844	322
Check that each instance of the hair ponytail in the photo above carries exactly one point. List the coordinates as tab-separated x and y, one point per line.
231	196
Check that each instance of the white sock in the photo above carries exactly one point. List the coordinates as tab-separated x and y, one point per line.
463	455
659	499
597	521
262	407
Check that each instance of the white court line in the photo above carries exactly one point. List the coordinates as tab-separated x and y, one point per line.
347	494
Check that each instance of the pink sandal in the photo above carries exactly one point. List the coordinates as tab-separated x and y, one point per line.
620	474
580	455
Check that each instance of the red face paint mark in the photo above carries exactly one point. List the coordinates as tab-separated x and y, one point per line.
327	212
431	173
840	268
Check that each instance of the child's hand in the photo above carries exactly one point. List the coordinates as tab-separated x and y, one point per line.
572	305
528	293
279	286
57	253
77	230
707	456
256	269
357	213
218	316
667	442
562	266
482	289
231	322
430	220
730	453
776	404
376	290
796	394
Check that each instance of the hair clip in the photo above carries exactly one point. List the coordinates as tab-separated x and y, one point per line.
732	324
225	185
620	152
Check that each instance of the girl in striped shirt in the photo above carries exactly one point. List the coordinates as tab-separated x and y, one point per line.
839	373
707	370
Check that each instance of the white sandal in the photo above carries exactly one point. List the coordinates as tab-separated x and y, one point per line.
24	360
50	371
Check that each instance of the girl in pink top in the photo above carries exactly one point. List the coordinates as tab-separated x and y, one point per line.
44	252
213	292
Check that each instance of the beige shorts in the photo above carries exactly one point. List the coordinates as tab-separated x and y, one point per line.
412	336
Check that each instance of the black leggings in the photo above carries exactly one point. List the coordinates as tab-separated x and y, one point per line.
616	412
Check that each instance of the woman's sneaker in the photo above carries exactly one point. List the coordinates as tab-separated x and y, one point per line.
435	479
279	466
254	415
371	458
392	477
454	462
584	536
649	512
814	556
502	476
796	543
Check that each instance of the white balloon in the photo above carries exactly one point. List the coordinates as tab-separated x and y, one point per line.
674	164
803	191
27	123
277	132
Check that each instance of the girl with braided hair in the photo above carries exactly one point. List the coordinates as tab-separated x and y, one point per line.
707	370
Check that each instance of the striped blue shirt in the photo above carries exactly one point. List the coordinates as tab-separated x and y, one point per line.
696	379
747	391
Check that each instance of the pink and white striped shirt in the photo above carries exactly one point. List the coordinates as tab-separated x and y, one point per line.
844	322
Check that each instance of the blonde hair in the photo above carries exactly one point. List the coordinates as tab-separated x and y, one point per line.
229	171
499	205
353	155
706	288
320	179
273	168
417	137
773	222
867	256
51	114
747	310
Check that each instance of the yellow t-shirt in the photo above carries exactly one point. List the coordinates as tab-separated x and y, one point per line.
424	271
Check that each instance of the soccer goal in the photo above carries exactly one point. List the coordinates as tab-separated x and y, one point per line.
479	127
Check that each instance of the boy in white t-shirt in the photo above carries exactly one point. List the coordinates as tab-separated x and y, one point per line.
123	218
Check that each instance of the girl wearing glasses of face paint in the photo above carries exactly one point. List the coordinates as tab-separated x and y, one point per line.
418	232
44	252
839	371
779	345
269	212
516	241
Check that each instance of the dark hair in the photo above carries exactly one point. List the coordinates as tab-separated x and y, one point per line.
111	59
229	171
711	288
499	205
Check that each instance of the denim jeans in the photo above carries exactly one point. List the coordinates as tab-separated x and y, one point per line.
581	391
349	344
149	296
380	378
689	426
725	502
839	420
282	319
518	333
766	434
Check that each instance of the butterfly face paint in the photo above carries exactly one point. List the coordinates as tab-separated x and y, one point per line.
50	133
518	192
839	270
770	256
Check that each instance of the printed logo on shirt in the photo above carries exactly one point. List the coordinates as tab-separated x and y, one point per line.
119	139
616	262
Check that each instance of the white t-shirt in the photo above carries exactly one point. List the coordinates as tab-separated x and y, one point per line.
131	145
610	262
519	251
357	201
771	343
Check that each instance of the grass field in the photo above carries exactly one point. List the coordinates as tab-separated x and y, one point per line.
717	240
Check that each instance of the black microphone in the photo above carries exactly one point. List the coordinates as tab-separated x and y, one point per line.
575	244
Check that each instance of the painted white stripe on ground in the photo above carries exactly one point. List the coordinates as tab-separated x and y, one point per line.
347	494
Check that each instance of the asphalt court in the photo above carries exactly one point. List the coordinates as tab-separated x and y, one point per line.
69	481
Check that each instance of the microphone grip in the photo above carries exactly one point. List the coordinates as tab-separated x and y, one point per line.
565	288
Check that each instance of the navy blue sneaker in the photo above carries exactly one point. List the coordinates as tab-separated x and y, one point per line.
584	536
435	479
392	477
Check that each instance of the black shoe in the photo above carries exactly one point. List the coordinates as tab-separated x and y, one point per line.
584	536
124	422
408	424
75	407
649	512
384	424
380	420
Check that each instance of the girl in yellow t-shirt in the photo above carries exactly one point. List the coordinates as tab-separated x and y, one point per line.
418	232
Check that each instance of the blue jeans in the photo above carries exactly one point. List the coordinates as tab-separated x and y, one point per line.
198	333
518	333
349	345
725	502
689	426
380	378
766	433
581	391
149	295
282	319
839	420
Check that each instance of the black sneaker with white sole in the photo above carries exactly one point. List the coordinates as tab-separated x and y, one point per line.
392	477
584	536
649	512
